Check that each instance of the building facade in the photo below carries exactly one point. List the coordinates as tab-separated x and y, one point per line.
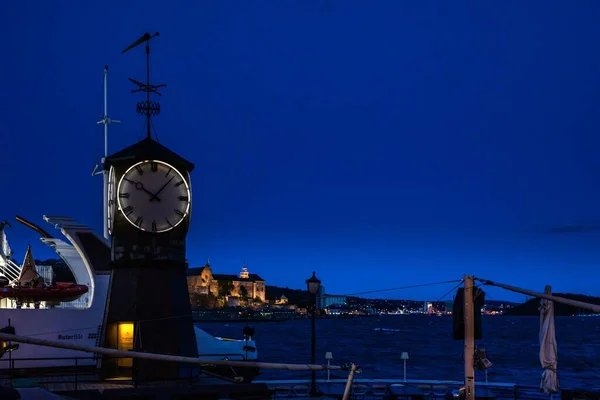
330	300
203	281
325	300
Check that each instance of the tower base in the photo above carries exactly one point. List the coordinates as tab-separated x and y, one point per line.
148	310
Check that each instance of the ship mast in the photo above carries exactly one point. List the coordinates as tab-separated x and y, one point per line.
105	120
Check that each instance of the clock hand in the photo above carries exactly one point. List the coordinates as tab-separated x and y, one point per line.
140	186
155	196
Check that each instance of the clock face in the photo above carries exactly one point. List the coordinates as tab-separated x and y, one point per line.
154	196
111	199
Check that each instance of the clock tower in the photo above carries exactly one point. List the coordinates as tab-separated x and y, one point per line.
149	210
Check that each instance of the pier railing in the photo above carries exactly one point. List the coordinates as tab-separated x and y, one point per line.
81	373
418	389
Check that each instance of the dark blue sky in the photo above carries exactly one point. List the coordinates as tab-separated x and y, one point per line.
380	143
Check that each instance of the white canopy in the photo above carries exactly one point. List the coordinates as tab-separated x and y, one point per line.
548	348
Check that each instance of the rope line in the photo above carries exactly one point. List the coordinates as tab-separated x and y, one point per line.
405	287
452	290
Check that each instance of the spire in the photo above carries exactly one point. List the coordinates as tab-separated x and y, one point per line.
207	261
244	273
148	108
28	270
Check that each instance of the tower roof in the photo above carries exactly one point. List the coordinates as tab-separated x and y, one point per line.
147	149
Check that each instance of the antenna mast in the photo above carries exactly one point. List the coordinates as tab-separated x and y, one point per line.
147	107
105	120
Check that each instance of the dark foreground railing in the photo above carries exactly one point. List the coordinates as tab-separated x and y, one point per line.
81	373
75	373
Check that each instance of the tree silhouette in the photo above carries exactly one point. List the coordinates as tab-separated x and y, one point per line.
243	292
225	288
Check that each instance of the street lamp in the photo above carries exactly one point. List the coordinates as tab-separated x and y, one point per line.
313	284
404	357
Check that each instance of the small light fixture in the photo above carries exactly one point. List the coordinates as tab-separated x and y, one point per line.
328	356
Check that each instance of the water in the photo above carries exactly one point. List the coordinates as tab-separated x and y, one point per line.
511	344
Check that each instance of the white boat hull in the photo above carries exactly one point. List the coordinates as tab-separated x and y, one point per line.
77	326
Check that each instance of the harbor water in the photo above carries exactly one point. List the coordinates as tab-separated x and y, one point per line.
511	343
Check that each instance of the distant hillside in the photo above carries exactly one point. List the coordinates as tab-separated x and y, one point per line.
530	308
295	296
501	302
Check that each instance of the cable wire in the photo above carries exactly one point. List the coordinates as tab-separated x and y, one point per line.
451	290
405	287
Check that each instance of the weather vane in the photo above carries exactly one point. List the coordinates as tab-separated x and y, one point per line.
146	107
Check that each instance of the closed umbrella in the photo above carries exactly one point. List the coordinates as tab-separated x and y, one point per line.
548	349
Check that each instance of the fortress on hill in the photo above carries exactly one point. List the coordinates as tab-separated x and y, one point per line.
203	281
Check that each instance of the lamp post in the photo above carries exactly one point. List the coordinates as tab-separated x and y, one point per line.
313	284
404	357
329	357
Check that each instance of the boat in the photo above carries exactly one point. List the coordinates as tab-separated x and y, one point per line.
31	288
60	291
74	312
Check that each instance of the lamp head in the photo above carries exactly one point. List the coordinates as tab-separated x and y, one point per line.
313	284
328	356
404	356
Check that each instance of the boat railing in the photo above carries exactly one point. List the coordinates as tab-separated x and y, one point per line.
77	372
13	362
13	366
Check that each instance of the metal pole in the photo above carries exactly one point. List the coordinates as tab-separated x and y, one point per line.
104	172
404	370
148	116
469	352
106	110
574	303
162	357
313	383
105	120
349	382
